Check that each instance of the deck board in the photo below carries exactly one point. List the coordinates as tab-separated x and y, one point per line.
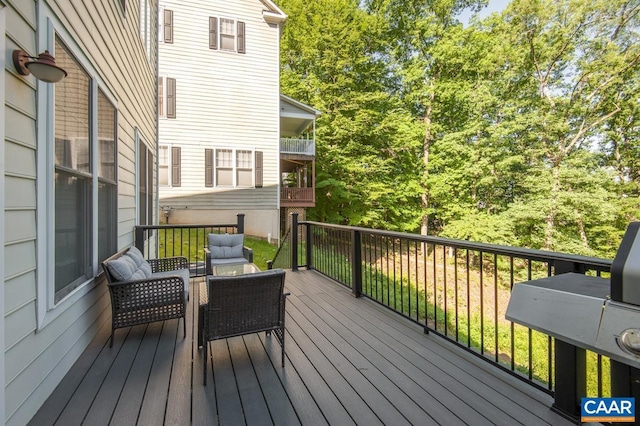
348	361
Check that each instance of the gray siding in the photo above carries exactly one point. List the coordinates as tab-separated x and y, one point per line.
36	359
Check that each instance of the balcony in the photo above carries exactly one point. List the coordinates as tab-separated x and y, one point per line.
297	197
298	146
408	349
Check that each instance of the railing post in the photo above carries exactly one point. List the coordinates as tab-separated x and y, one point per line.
138	238
294	242
356	273
309	248
240	223
570	364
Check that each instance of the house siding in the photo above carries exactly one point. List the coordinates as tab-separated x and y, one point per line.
223	100
37	356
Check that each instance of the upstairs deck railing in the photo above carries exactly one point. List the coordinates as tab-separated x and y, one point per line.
456	289
297	146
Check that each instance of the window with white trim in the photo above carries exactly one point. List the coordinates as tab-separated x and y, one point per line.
77	148
234	168
146	25
227	34
145	184
163	165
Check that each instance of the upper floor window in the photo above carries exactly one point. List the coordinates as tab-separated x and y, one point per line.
166	97
227	34
145	24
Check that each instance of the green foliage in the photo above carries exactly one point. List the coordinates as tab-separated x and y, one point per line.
520	129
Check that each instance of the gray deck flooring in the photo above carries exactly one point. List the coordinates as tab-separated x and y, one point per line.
348	361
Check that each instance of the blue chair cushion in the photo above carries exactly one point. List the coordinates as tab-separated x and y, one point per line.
129	267
226	246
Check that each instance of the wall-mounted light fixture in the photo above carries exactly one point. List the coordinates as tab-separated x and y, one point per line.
42	67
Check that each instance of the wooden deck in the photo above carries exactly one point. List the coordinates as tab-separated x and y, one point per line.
348	362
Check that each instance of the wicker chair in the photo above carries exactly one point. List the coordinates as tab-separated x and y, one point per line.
244	304
160	297
224	249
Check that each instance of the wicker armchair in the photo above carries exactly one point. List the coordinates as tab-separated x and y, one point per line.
159	297
244	304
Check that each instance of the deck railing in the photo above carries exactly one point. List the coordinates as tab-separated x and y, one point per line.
297	146
456	289
289	195
157	241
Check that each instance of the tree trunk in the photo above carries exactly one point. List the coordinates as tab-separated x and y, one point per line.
424	228
553	201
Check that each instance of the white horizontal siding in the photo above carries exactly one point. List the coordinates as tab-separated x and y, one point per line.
223	100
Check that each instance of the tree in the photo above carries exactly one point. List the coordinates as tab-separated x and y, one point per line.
367	144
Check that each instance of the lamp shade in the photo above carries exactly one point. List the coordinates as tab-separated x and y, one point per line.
43	67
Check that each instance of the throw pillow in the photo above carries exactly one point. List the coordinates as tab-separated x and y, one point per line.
122	268
143	269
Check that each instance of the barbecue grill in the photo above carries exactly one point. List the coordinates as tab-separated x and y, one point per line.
598	314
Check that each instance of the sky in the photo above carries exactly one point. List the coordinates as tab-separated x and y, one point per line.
493	6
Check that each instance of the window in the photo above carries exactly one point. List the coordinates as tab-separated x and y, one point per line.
163	165
145	25
227	34
233	167
244	168
224	167
145	184
166	97
107	184
80	137
165	25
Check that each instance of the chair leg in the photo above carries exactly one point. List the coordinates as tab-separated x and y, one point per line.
282	347
111	339
184	326
204	367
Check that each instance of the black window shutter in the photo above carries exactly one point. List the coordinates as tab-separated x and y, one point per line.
241	38
213	33
175	166
259	182
208	167
171	97
168	26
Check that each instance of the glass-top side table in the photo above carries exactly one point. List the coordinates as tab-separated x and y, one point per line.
235	269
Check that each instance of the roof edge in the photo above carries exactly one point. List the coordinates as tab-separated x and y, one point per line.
300	105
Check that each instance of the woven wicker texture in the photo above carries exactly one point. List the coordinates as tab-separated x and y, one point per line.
140	302
244	304
143	301
168	264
